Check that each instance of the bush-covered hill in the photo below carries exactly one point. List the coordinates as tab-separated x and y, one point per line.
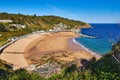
31	23
39	22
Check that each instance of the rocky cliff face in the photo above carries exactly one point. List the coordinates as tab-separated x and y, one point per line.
87	26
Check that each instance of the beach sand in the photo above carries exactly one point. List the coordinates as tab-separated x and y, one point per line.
56	43
15	52
37	45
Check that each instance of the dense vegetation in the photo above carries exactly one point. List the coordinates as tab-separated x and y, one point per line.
107	68
39	22
32	22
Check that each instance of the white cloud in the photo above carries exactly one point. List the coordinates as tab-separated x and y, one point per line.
52	10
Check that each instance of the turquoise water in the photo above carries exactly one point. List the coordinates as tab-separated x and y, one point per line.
106	35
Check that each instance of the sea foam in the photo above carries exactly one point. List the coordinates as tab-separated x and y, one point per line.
87	49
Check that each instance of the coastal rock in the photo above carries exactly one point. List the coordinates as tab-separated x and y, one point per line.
48	69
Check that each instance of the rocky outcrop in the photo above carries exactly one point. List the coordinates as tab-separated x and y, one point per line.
46	69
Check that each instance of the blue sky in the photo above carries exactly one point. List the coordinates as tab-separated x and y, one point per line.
91	11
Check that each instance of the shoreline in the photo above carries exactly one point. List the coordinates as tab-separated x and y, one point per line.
86	49
55	43
35	45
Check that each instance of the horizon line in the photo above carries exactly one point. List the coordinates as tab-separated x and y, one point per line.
63	17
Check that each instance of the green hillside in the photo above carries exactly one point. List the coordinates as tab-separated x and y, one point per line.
39	22
31	23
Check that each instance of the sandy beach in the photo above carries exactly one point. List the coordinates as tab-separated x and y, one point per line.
14	53
23	51
55	43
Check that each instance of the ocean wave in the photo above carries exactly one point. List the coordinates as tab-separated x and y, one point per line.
87	49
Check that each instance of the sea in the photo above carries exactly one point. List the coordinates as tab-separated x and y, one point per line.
104	37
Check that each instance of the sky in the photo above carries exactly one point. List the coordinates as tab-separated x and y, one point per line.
90	11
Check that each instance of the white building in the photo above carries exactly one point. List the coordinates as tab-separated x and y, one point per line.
6	21
51	30
18	25
40	31
0	34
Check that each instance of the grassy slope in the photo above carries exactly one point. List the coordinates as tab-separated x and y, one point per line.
40	22
33	23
